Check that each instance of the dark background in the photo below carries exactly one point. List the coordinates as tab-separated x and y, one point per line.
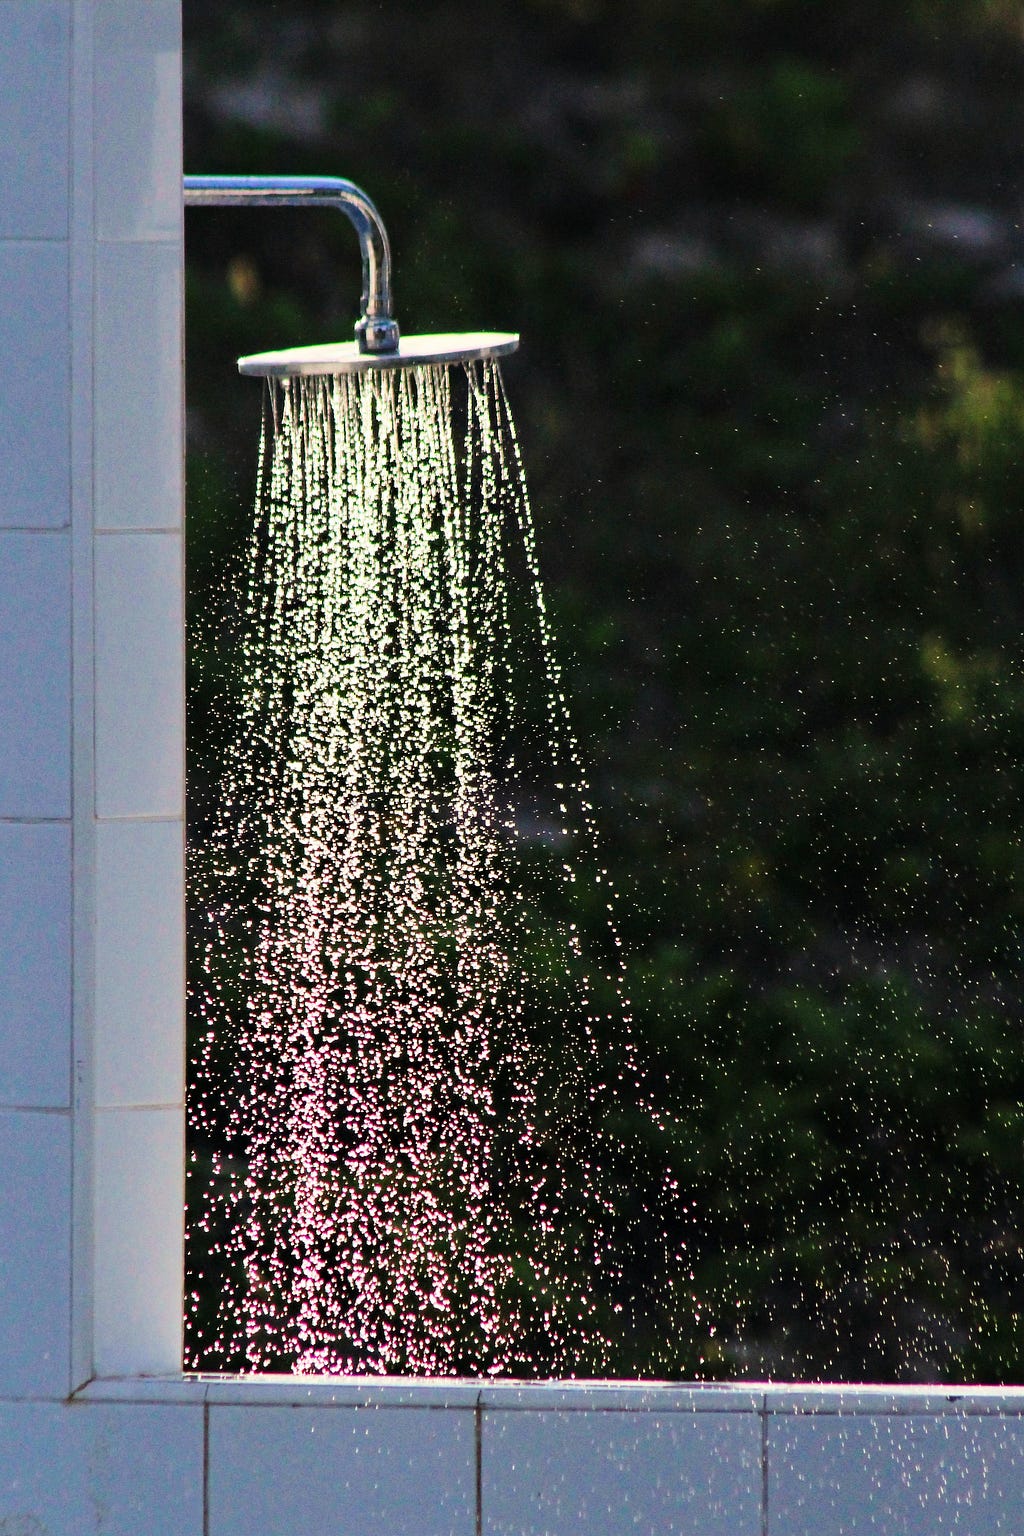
767	261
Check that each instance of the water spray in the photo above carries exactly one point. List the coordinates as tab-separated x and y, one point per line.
406	1144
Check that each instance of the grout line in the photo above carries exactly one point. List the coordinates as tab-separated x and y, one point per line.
35	1109
619	1408
6	241
764	1466
132	240
159	530
206	1469
36	821
81	1397
478	1435
49	529
128	1109
96	1395
13	1399
146	818
80	384
238	1396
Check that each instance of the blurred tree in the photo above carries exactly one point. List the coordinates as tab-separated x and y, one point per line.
766	257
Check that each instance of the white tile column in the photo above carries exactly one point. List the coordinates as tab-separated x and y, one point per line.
35	698
91	692
137	777
92	986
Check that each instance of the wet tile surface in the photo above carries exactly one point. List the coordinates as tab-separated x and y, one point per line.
35	1254
139	1162
139	676
35	430
35	92
35	964
140	962
607	1473
35	675
95	1468
138	153
138	385
914	1475
328	1471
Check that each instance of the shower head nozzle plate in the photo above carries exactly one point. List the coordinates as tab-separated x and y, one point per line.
413	352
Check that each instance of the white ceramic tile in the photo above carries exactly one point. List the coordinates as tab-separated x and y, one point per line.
34	382
138	382
344	1392
559	1474
138	133
83	1469
915	1476
35	963
139	675
35	1254
633	1397
140	962
138	1260
35	675
35	105
879	1399
371	1471
143	1389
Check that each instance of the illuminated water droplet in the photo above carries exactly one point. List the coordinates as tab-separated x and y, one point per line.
401	1076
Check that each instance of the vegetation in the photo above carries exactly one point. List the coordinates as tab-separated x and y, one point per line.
766	259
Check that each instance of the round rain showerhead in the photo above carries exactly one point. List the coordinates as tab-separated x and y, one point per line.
413	352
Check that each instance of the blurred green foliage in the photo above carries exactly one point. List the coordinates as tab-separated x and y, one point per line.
789	134
765	257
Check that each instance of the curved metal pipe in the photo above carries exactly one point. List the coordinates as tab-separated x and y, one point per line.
376	328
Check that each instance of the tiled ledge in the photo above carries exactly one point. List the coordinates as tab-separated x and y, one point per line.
564	1397
453	1458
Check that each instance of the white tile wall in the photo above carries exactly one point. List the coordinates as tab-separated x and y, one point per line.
35	102
906	1474
139	676
35	675
34	374
35	963
139	1161
116	1465
99	1468
371	1471
606	1473
136	783
35	1254
138	153
140	963
138	385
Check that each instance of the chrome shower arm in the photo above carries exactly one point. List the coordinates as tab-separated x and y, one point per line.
376	329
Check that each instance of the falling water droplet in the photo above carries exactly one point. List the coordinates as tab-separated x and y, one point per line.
400	1087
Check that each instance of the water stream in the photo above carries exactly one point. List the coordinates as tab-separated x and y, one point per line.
420	1142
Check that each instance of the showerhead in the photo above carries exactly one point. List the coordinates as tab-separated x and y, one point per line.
378	344
412	352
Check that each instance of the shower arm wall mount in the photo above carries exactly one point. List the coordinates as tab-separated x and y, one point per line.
376	328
